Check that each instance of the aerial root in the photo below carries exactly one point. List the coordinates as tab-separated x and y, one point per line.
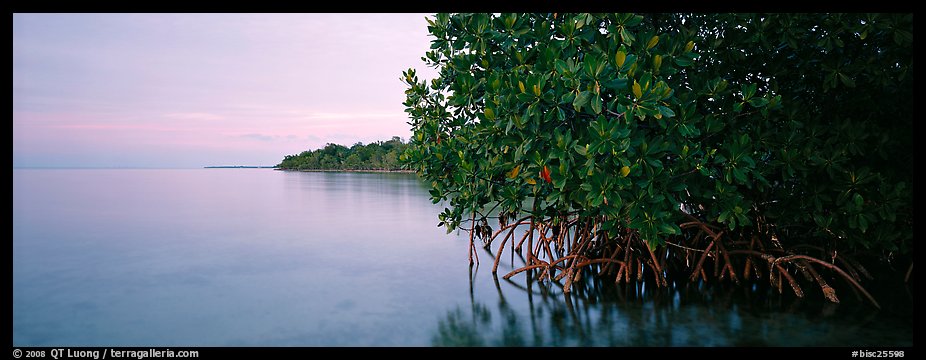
565	247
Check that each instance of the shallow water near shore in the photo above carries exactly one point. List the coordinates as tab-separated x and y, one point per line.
257	257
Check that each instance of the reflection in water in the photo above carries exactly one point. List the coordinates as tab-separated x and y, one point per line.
685	314
227	257
256	257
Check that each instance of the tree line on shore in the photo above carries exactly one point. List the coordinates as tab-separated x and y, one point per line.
378	155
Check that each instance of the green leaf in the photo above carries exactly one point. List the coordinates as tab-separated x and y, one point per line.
616	84
599	68
490	114
581	100
631	60
857	199
748	91
596	104
620	58
514	172
667	228
723	216
637	91
561	66
597	200
626	36
625	171
739	175
821	220
758	102
689	46
847	81
742	219
902	37
683	62
525	97
652	42
581	150
665	111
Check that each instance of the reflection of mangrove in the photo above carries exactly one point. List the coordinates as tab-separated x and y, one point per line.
600	313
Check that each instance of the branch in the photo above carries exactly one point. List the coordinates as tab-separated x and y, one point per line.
831	267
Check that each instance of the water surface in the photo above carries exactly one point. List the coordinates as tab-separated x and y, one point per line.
257	257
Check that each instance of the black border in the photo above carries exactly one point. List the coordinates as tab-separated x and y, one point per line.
624	352
433	6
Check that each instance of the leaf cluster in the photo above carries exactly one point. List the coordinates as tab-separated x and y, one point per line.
792	124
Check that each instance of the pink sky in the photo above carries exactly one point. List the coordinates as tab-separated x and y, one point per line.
190	90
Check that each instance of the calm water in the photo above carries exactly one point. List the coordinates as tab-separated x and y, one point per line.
256	257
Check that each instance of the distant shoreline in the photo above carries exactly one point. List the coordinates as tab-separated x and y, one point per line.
402	171
239	167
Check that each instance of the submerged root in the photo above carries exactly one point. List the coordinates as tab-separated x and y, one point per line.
562	249
794	285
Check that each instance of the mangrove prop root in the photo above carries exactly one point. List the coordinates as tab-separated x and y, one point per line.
773	277
498	256
717	260
472	245
834	268
627	258
662	260
568	245
546	246
864	271
802	266
847	263
830	293
568	270
524	268
568	286
698	267
523	238
794	285
660	280
849	268
728	265
614	254
906	278
778	283
509	227
624	267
